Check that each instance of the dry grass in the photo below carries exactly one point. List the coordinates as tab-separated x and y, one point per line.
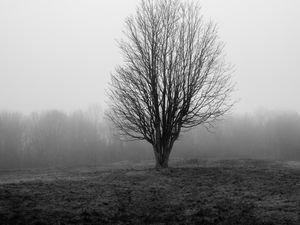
192	192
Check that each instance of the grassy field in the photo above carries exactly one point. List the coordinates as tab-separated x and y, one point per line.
231	192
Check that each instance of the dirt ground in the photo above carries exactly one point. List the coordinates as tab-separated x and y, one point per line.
228	192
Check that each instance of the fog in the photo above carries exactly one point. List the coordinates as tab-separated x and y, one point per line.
56	58
83	138
59	54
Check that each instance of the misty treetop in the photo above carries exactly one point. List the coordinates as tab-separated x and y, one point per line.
174	75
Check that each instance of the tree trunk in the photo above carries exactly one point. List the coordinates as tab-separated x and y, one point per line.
162	156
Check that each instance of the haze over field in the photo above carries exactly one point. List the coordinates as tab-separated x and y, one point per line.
59	54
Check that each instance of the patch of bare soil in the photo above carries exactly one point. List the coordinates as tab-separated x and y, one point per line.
226	192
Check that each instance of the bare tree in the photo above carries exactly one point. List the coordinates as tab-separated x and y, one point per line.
174	75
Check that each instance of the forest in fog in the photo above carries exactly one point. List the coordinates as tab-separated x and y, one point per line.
57	139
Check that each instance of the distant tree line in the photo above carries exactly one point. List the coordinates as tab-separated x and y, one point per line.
57	139
54	138
265	135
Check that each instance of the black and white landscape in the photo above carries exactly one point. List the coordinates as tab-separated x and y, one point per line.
149	112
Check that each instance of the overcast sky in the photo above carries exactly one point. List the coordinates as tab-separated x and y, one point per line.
58	54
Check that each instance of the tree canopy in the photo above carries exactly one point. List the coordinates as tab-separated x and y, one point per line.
174	74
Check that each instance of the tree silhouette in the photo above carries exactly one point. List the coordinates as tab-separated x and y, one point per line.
174	76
